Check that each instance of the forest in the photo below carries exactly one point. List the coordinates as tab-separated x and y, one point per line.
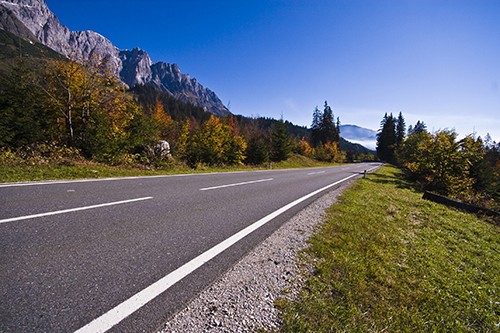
467	169
53	105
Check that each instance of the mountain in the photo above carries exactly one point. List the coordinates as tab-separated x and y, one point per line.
33	20
363	136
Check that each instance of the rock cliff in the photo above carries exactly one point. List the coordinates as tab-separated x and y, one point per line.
33	19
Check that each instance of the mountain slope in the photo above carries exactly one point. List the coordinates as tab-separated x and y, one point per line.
33	19
363	136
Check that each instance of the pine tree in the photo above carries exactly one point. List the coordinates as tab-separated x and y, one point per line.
386	139
256	152
281	143
327	127
400	130
419	127
315	127
337	131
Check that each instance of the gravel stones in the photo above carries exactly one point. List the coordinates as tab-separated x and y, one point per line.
242	300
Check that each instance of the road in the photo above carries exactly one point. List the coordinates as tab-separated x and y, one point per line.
124	254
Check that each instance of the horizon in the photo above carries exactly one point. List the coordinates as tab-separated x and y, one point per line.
436	62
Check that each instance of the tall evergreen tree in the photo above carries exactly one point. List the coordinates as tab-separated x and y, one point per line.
419	127
24	119
337	131
328	130
281	147
386	139
400	130
315	127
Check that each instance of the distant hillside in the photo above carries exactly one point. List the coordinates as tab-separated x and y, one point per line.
363	136
12	48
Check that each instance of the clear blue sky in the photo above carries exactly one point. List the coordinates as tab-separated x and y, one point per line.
436	61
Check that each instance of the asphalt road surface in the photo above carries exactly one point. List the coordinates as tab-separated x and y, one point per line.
123	255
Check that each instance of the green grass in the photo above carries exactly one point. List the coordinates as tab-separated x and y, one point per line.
388	261
17	171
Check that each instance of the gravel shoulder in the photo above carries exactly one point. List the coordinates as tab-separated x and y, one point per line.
242	300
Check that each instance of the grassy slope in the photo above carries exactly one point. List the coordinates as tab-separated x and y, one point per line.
387	260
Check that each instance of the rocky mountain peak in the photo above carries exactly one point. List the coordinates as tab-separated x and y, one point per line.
136	67
28	18
77	45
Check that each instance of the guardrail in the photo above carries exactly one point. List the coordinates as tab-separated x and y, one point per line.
457	204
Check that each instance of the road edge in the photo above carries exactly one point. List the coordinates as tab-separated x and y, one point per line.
242	300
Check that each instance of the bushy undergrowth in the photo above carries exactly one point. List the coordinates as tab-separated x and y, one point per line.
40	154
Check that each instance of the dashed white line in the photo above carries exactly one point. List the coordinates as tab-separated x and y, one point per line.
134	303
64	211
315	173
236	184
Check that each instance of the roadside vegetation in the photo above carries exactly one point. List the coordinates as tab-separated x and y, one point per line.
466	169
63	163
65	119
388	261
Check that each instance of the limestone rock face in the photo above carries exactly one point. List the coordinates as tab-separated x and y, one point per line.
32	19
136	67
168	77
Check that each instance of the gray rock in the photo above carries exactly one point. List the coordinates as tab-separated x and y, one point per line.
33	19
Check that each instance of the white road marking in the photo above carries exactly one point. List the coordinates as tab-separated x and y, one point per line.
236	184
315	173
91	180
19	218
134	303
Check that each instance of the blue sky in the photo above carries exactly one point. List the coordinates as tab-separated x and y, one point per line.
436	61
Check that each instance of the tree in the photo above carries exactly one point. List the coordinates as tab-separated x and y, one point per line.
400	130
257	151
168	128
328	131
386	139
94	106
419	127
182	145
24	119
215	143
280	143
315	127
337	131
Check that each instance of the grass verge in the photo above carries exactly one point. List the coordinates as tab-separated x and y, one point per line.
78	169
386	260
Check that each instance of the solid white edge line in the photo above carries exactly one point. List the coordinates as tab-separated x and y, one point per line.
236	184
27	217
134	303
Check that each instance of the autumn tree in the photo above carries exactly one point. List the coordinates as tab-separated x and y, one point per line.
180	148
215	144
93	105
167	127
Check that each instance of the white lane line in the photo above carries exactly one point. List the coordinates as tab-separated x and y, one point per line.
134	303
315	173
93	180
236	184
19	218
